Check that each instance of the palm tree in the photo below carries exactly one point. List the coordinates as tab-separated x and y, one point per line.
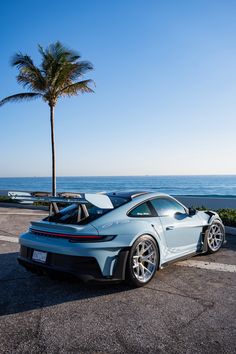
56	77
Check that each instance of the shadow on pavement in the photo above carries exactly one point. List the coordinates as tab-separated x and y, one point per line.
23	291
231	242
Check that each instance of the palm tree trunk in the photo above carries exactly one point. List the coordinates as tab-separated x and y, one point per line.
53	151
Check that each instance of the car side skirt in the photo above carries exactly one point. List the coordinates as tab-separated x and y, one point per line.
182	258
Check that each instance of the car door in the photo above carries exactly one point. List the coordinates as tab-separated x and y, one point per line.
182	232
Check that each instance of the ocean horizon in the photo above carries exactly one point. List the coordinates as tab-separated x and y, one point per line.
210	185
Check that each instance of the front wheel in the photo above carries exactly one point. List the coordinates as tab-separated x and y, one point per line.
143	261
215	236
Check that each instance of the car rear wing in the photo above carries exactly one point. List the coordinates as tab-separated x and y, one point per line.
101	201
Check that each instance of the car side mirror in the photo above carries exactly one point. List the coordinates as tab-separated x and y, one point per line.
180	216
191	211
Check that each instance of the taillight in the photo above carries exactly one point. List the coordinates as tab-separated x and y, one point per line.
73	238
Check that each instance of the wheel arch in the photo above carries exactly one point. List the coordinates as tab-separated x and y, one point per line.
154	238
206	229
121	263
218	219
141	276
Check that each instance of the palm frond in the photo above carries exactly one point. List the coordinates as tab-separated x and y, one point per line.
75	88
78	69
26	96
21	60
57	54
58	51
59	74
29	75
70	72
31	83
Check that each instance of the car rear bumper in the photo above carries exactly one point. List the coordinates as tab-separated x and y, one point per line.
84	268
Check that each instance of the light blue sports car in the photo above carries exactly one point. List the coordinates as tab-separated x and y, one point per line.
118	236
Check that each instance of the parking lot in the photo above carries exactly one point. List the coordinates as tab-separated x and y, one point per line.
185	309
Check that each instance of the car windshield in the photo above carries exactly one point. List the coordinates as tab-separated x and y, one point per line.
71	214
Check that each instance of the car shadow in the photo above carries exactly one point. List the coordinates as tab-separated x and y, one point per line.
22	291
230	242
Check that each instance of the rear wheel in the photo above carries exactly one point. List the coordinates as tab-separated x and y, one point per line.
215	236
143	261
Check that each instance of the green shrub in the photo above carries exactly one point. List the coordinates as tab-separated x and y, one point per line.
5	199
228	216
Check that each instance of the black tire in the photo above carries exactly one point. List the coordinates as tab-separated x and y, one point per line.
215	236
147	263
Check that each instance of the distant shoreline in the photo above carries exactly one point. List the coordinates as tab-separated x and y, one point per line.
129	176
220	186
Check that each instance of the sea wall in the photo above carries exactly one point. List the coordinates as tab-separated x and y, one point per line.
208	202
194	201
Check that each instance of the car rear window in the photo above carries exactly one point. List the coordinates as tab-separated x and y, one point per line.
69	215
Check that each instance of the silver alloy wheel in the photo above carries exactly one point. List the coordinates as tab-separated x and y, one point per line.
144	260
215	237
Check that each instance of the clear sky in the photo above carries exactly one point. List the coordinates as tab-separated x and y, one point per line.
165	100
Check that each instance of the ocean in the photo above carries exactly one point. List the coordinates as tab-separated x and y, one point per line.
174	185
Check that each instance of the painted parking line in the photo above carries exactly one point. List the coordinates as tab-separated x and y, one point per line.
9	239
208	265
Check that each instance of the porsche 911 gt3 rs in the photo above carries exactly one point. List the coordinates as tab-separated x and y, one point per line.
118	236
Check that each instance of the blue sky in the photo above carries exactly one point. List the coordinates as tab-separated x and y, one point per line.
165	100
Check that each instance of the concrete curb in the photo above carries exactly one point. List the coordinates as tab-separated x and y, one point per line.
230	230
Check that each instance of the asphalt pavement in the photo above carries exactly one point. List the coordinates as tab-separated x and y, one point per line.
184	309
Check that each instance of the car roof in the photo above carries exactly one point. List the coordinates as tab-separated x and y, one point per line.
133	194
127	194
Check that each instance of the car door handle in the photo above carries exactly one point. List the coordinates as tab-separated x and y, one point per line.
170	228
